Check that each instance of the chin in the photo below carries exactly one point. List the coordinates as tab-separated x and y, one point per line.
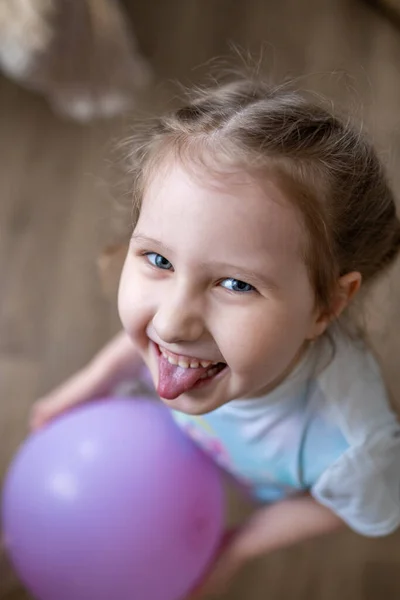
190	406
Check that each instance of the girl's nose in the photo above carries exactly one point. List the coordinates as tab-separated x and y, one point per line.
179	319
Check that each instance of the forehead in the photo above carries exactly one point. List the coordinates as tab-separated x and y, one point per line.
230	213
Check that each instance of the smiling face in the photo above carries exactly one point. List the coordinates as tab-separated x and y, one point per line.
215	273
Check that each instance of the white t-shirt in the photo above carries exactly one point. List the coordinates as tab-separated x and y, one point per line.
328	429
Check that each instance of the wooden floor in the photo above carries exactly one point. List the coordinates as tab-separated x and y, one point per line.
55	209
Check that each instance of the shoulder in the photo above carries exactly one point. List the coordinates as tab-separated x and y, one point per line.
351	388
361	483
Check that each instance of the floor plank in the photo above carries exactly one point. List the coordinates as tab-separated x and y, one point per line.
55	213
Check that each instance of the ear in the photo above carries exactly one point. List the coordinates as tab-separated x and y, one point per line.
347	288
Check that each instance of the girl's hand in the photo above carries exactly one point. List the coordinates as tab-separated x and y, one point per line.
83	386
228	562
118	360
272	527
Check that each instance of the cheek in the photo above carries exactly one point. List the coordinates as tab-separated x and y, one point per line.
272	333
124	298
134	306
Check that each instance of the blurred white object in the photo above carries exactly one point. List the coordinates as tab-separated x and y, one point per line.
81	54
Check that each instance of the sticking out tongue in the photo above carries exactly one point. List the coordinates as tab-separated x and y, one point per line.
174	380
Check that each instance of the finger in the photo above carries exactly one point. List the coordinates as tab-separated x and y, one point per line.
75	391
40	414
46	410
203	585
219	578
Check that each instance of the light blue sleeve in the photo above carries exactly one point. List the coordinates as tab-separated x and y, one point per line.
351	450
363	485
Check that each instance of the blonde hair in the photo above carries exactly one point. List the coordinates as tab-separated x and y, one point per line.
329	170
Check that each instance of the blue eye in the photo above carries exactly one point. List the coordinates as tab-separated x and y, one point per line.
235	285
158	261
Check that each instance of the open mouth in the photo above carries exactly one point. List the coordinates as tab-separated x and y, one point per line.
179	374
212	371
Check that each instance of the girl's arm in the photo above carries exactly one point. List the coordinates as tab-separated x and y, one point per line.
283	524
116	361
270	528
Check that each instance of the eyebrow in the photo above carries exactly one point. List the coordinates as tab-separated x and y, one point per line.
151	241
245	273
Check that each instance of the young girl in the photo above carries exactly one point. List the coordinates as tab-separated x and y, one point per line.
259	216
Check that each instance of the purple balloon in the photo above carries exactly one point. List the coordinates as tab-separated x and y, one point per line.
109	501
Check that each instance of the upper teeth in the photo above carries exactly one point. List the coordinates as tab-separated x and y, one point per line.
185	362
